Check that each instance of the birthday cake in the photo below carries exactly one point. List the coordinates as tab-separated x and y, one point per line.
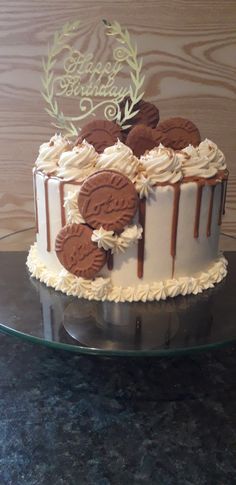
129	216
131	209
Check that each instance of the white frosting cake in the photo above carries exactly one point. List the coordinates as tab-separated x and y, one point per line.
170	247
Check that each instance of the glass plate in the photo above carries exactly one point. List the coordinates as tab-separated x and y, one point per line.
30	310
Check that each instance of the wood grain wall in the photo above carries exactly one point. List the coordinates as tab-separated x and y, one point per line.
189	52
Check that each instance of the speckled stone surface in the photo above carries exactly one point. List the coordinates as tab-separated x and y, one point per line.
79	420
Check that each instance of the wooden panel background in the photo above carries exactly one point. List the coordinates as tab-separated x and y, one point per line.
189	52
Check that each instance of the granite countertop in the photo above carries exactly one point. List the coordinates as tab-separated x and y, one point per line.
80	420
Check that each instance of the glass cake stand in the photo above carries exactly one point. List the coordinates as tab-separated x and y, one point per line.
30	310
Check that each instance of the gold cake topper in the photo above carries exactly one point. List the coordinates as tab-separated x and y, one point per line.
89	81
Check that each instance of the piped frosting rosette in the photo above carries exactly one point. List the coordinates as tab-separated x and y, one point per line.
162	165
193	164
78	163
50	152
159	165
215	156
118	157
117	243
203	161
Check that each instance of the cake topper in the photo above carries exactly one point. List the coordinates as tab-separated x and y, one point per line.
92	84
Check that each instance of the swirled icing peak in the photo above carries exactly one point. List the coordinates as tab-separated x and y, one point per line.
162	165
117	243
194	164
127	238
104	239
144	185
71	206
77	163
49	153
210	150
118	157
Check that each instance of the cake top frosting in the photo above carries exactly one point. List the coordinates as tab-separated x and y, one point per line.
160	165
162	154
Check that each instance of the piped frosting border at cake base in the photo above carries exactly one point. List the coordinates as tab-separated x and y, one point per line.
102	289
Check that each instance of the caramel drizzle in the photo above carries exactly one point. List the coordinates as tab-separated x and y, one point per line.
221	202
174	228
141	242
36	204
46	180
63	214
198	210
110	260
210	211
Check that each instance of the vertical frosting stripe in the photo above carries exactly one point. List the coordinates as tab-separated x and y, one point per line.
209	220
46	180
35	201
174	228
141	242
225	187
63	214
198	210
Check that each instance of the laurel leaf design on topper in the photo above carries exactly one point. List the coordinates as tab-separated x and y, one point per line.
69	84
77	253
108	199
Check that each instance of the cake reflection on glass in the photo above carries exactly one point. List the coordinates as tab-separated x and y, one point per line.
133	218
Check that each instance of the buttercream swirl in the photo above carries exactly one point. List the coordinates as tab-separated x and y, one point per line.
50	152
117	243
195	165
157	291
72	209
127	238
65	282
118	157
144	185
162	165
210	150
103	238
77	163
81	287
102	289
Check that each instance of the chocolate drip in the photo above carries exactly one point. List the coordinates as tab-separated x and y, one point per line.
63	214
174	228
210	211
109	260
221	202
198	210
46	180
141	242
36	204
